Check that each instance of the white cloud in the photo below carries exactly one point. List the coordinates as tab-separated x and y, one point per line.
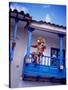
47	18
23	8
19	8
46	6
54	16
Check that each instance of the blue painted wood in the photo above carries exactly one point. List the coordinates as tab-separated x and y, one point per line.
29	40
32	69
61	49
44	71
15	30
14	40
11	54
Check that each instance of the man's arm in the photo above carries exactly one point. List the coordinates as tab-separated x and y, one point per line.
34	46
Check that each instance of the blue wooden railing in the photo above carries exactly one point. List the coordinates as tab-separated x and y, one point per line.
44	60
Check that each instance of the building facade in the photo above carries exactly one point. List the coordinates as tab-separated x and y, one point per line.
23	33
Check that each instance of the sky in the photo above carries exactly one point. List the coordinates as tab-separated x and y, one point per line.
46	12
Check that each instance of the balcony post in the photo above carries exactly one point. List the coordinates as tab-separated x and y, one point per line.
29	40
13	43
61	50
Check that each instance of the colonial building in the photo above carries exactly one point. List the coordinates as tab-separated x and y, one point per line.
24	32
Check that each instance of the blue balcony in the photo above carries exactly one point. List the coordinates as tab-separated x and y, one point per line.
45	69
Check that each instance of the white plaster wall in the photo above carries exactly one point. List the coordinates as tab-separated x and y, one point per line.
20	51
